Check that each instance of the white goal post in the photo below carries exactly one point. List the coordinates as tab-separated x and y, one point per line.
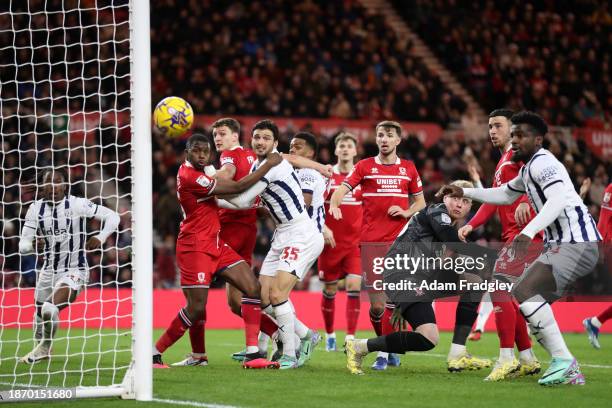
75	101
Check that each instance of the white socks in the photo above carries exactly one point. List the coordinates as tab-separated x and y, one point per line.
544	327
38	327
50	315
595	322
527	356
286	327
300	328
456	350
506	354
486	307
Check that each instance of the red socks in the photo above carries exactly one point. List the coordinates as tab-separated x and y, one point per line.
505	321
251	314
353	306
387	327
605	315
196	336
376	322
328	308
267	325
521	335
175	331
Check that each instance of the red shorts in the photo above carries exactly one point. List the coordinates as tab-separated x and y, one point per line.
371	255
337	263
199	259
241	237
509	265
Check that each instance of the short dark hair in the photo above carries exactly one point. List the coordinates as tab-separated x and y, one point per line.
231	123
310	140
197	137
390	124
532	119
266	124
507	113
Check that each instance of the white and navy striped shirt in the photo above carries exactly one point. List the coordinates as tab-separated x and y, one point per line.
62	226
313	182
283	194
574	224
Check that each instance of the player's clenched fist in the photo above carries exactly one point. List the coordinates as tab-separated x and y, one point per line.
274	158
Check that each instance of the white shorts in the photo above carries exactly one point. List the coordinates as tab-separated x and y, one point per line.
48	281
295	248
569	262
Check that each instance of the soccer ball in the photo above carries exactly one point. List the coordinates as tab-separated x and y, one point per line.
173	116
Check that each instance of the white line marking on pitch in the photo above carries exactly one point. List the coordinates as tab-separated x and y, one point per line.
191	403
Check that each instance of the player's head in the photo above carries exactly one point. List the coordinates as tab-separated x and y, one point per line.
226	132
346	147
304	144
499	127
527	132
198	151
53	182
264	137
458	207
388	136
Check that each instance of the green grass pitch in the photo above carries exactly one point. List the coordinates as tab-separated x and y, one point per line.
422	380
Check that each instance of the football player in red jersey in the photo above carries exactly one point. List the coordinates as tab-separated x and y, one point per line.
200	252
341	258
511	326
386	184
604	225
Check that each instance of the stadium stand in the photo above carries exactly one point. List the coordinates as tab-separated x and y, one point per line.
552	57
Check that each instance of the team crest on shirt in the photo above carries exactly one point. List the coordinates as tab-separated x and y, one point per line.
402	171
445	218
374	170
203	181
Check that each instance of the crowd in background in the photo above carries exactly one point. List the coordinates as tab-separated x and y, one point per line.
311	58
553	57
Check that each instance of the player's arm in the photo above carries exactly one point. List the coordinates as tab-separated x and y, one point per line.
551	210
109	219
223	186
228	166
350	182
418	203
307	183
336	200
482	216
504	195
28	232
304	163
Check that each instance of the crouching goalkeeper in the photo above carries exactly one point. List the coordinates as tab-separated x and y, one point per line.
426	240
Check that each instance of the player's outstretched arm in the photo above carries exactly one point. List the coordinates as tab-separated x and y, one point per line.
504	195
304	163
336	200
235	187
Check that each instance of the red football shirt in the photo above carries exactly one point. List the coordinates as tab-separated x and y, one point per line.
605	216
194	190
242	159
383	185
505	171
347	231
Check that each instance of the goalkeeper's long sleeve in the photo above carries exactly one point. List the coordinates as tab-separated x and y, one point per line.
110	220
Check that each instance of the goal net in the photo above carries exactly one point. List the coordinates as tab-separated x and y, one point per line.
69	104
